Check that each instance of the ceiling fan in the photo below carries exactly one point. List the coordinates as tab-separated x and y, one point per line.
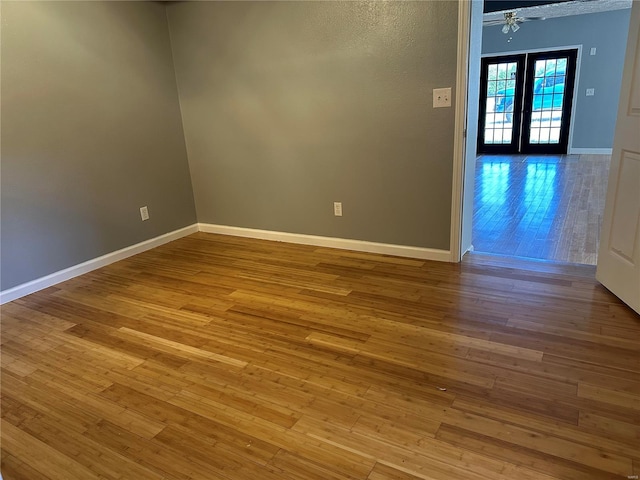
511	21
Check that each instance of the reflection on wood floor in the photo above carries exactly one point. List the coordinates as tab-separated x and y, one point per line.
223	358
540	206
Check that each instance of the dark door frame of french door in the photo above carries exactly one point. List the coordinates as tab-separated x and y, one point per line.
520	141
565	120
514	146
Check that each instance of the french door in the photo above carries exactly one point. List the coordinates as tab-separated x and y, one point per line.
525	102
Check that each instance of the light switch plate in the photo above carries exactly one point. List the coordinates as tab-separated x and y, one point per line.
592	51
591	92
441	97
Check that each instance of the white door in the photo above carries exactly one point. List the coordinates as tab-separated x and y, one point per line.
619	253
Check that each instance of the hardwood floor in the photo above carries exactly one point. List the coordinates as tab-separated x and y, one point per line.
219	357
540	206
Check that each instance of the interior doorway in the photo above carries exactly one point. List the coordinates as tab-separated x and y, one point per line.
547	199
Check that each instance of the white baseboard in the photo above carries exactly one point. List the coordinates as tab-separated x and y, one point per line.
85	267
331	242
592	151
315	240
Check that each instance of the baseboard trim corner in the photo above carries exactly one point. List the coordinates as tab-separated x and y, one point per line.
62	275
590	151
330	242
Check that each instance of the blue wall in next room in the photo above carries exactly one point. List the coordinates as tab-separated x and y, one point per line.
595	116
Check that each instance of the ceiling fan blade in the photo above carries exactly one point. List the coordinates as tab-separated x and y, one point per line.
529	19
489	23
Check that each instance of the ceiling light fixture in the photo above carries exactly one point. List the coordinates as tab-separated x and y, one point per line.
510	22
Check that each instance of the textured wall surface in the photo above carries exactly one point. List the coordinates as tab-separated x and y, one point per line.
595	117
290	106
91	131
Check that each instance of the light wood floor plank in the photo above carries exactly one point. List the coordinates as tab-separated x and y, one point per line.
231	358
540	206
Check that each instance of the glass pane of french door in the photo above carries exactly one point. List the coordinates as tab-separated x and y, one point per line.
548	99
501	87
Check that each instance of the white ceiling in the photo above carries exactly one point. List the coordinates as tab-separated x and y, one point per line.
565	9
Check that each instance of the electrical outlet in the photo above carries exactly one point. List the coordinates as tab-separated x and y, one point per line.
591	92
441	97
337	209
144	213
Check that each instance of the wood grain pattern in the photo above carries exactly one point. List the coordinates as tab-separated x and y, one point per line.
540	206
218	357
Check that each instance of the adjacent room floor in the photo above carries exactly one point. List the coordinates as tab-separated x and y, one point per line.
218	357
545	206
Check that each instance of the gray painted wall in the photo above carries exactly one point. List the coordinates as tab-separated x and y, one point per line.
290	106
595	117
91	131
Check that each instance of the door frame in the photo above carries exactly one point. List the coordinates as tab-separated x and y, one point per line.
518	101
529	99
460	139
576	80
462	143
